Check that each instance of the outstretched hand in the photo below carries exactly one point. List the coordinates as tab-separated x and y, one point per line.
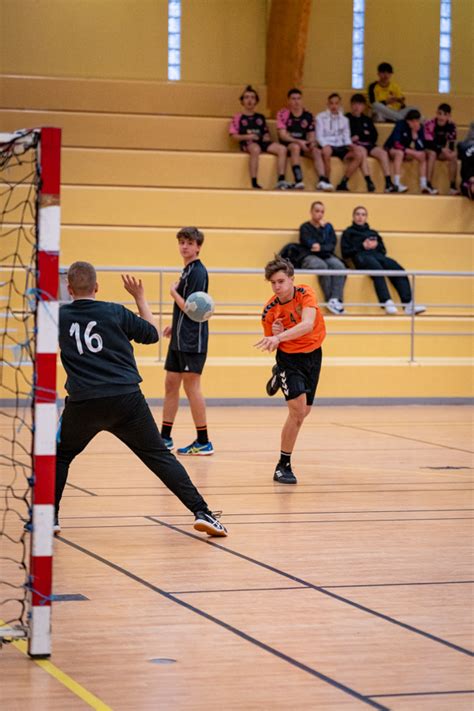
267	343
133	286
277	326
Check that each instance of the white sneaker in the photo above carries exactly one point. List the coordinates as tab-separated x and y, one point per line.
428	190
298	186
282	185
335	307
401	188
454	191
411	309
325	185
390	307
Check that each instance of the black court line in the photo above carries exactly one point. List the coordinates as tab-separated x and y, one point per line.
292	492
422	693
80	488
277	513
325	587
320	589
397	436
265	483
230	628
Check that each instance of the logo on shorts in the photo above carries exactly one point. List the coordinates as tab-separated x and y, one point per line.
283	382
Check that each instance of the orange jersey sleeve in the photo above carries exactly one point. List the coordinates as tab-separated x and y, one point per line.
291	313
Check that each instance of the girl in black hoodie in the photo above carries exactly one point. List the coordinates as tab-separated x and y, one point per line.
366	249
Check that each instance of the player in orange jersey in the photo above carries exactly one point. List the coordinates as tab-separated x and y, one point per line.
294	327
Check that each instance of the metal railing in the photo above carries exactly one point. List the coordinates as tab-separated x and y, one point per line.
162	304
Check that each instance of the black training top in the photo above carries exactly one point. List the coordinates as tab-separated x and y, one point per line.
189	336
94	338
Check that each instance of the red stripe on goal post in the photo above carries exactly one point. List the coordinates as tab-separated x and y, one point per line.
44	405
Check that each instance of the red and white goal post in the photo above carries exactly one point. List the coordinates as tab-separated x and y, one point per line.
36	622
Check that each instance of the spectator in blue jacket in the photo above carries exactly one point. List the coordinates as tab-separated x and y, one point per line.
319	239
407	142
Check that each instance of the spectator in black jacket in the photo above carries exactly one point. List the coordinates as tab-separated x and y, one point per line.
319	238
364	134
366	249
407	142
466	156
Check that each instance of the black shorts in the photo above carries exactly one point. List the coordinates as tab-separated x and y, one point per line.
263	145
340	151
299	373
180	362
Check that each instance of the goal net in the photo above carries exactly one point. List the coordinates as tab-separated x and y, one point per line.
29	254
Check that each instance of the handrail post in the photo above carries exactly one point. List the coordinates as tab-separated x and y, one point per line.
412	329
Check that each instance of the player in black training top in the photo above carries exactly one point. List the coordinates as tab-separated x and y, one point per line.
187	352
103	388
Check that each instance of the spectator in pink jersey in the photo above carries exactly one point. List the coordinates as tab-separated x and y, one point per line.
250	130
296	130
334	136
440	142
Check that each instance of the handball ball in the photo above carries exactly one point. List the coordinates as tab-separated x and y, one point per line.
199	306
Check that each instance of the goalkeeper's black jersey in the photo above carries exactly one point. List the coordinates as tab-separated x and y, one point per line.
187	335
94	338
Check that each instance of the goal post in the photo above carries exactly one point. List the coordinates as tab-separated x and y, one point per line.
30	228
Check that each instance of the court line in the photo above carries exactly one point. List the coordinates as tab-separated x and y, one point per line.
422	693
67	681
80	488
326	587
277	513
320	589
265	484
292	492
397	436
230	628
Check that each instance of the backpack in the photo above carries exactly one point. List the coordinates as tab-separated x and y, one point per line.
295	253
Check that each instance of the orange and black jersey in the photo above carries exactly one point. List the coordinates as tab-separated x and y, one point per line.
290	313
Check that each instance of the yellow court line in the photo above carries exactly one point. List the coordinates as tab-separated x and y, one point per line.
63	678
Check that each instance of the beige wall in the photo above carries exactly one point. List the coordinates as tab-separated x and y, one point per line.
329	49
85	38
223	41
404	33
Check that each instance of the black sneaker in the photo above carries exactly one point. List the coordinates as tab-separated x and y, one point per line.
342	187
284	475
370	186
273	384
206	522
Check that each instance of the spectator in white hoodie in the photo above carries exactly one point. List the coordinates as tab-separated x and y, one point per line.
334	136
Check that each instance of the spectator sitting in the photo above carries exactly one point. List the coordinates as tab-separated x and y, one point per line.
440	142
364	135
320	239
407	142
366	249
295	127
334	136
251	131
466	156
385	96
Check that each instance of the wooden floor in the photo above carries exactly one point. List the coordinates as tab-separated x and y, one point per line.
352	589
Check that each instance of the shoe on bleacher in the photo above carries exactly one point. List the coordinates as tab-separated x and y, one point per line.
412	308
370	186
454	191
400	188
168	442
196	449
428	189
299	185
390	307
273	384
335	307
325	185
283	185
284	475
206	522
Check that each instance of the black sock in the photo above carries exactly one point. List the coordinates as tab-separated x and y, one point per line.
345	180
388	181
255	184
453	185
324	179
281	177
166	428
297	173
202	437
285	459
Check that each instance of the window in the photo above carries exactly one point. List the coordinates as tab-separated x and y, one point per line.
358	22
444	80
174	40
